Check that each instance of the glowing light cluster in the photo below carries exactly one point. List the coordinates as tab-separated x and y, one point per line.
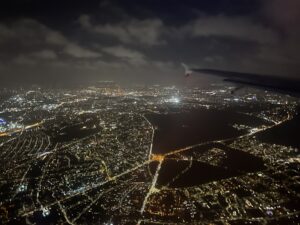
174	100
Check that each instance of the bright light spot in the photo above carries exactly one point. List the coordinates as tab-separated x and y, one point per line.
174	100
2	121
45	211
22	188
158	157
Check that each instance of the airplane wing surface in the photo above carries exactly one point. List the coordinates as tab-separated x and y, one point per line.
274	83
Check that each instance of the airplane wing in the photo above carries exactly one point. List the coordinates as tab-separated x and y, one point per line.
274	83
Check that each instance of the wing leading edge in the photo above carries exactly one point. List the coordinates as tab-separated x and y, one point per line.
274	83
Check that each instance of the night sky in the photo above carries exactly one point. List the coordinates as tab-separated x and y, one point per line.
144	41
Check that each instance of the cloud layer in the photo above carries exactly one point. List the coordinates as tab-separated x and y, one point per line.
123	44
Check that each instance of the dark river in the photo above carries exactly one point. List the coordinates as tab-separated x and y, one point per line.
178	130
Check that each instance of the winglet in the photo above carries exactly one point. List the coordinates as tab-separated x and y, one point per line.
187	71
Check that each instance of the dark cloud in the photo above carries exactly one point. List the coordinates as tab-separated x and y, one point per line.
32	40
131	56
284	14
242	28
80	52
132	31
